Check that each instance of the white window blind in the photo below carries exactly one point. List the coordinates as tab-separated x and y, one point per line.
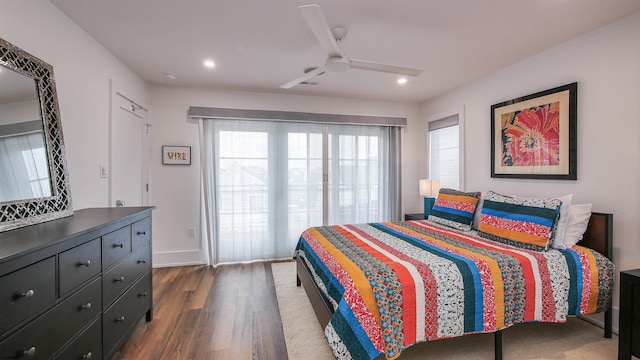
24	173
444	152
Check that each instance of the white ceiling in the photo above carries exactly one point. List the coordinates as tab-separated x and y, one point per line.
259	45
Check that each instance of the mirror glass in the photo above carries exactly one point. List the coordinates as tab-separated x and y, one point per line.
24	169
34	181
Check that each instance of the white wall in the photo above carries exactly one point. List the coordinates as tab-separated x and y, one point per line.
82	70
176	189
19	111
605	63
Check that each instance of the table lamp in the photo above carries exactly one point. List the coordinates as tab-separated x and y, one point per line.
429	188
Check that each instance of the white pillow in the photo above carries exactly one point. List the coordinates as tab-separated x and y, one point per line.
558	237
578	220
476	216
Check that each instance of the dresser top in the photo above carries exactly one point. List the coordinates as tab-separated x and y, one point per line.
634	272
32	238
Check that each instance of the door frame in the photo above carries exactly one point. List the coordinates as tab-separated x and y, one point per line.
143	113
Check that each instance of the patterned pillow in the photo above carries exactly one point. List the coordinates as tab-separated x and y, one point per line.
527	223
455	208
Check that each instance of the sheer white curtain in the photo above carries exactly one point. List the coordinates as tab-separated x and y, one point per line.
263	182
23	167
363	170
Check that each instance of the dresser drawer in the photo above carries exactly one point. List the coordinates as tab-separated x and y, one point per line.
86	346
26	292
78	265
45	335
635	337
120	277
125	313
115	246
141	233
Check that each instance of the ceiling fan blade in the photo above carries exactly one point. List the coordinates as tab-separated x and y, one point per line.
321	29
304	77
367	65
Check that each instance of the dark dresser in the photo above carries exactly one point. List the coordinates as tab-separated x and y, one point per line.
629	333
76	287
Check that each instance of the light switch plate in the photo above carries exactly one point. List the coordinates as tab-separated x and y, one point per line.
103	172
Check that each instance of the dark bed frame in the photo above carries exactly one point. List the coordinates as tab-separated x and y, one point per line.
598	236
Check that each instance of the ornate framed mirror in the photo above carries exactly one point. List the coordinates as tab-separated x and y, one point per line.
34	181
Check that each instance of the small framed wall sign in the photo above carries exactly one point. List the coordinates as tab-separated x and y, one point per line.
176	155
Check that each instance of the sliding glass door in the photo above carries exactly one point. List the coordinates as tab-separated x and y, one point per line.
270	181
354	174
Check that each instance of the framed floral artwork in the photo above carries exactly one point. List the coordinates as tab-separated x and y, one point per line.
535	137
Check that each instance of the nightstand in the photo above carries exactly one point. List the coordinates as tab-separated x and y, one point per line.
419	216
629	334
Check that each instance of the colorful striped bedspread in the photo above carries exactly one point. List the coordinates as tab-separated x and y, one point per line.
396	284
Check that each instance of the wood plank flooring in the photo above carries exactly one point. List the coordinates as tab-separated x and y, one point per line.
204	313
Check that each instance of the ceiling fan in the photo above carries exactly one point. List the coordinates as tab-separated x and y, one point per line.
336	61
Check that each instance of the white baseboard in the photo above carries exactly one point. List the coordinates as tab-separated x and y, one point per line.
177	258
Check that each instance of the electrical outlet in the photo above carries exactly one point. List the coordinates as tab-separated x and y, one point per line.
103	172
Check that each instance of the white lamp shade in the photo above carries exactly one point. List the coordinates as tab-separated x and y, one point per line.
429	187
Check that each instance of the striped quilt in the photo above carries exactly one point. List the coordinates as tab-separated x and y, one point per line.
395	284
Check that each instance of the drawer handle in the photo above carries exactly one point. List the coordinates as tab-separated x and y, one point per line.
141	233
144	294
28	294
84	263
30	353
121	245
143	261
87	306
120	318
87	355
120	279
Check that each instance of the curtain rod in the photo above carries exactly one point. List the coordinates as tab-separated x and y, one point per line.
293	116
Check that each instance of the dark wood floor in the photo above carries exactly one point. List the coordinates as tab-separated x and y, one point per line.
204	313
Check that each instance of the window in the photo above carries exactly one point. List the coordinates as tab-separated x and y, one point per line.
24	172
269	183
444	152
354	174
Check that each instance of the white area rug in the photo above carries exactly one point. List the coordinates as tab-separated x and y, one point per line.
575	339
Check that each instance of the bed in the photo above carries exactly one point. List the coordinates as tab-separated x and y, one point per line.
380	288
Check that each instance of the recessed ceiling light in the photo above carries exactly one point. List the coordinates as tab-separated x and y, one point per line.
402	80
170	76
209	63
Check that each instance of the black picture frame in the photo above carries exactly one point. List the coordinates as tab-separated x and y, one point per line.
535	136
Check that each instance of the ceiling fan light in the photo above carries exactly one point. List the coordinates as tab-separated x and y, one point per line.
338	64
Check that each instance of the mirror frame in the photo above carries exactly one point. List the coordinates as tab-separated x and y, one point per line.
19	213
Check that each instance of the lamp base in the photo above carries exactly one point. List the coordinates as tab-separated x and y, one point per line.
428	204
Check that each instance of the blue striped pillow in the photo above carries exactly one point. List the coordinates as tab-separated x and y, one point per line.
455	208
527	223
